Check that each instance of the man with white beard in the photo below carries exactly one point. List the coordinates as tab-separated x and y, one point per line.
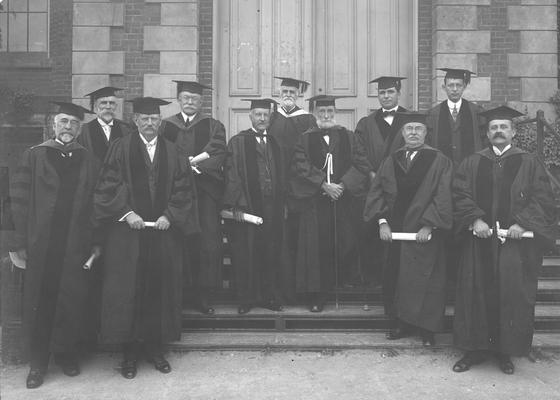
328	169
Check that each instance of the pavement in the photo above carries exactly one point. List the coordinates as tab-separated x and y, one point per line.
383	374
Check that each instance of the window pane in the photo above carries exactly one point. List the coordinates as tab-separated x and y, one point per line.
37	5
17	5
3	31
17	34
38	32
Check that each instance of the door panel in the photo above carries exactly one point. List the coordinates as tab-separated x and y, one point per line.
337	45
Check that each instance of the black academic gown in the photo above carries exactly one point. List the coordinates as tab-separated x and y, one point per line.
204	250
379	140
141	296
93	138
456	139
497	283
315	267
51	198
257	251
409	199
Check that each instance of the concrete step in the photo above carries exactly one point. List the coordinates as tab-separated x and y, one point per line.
347	317
319	341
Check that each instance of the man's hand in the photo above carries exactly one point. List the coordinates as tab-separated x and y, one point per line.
385	232
96	250
333	190
515	231
22	253
162	223
238	215
191	161
135	221
481	229
423	235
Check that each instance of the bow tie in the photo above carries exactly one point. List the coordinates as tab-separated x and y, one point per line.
388	113
150	144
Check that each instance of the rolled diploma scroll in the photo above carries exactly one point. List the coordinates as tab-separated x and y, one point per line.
250	218
407	236
17	261
148	224
503	233
199	158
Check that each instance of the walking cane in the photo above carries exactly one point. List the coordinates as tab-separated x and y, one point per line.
330	171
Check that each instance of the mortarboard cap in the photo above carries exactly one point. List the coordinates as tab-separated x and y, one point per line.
71	109
454	73
292	82
190	86
323	100
386	82
406	117
261	103
501	112
147	105
103	92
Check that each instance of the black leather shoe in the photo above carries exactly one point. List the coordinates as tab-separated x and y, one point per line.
128	369
469	359
505	364
317	308
206	309
68	364
428	339
35	378
243	308
161	364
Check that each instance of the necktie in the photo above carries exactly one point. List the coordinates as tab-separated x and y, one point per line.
408	161
388	113
187	122
454	113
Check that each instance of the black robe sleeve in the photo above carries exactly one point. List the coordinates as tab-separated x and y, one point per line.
20	192
217	150
306	179
466	211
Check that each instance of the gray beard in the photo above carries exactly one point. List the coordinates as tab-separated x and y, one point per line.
326	124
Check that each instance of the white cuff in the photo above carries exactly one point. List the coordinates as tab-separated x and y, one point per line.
382	221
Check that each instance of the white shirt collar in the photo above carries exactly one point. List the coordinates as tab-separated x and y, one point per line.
151	142
103	123
391	109
501	153
59	142
451	105
254	130
187	118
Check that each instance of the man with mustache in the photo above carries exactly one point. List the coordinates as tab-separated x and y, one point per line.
100	132
287	123
329	168
255	184
379	134
195	133
498	271
51	199
411	192
144	180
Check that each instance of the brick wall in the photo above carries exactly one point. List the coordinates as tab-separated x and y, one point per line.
425	54
205	49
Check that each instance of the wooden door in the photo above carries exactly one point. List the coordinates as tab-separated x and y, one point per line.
337	45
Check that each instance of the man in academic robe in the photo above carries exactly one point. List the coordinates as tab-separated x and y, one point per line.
196	133
329	168
287	123
379	134
96	136
254	185
507	188
100	132
51	199
145	196
454	125
411	193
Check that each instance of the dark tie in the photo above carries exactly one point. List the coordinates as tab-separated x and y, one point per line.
187	122
388	113
454	113
408	160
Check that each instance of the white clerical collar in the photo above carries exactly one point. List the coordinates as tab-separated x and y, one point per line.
452	105
187	118
391	109
103	123
149	143
501	153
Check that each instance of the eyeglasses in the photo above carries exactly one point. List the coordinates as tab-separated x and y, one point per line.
65	121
